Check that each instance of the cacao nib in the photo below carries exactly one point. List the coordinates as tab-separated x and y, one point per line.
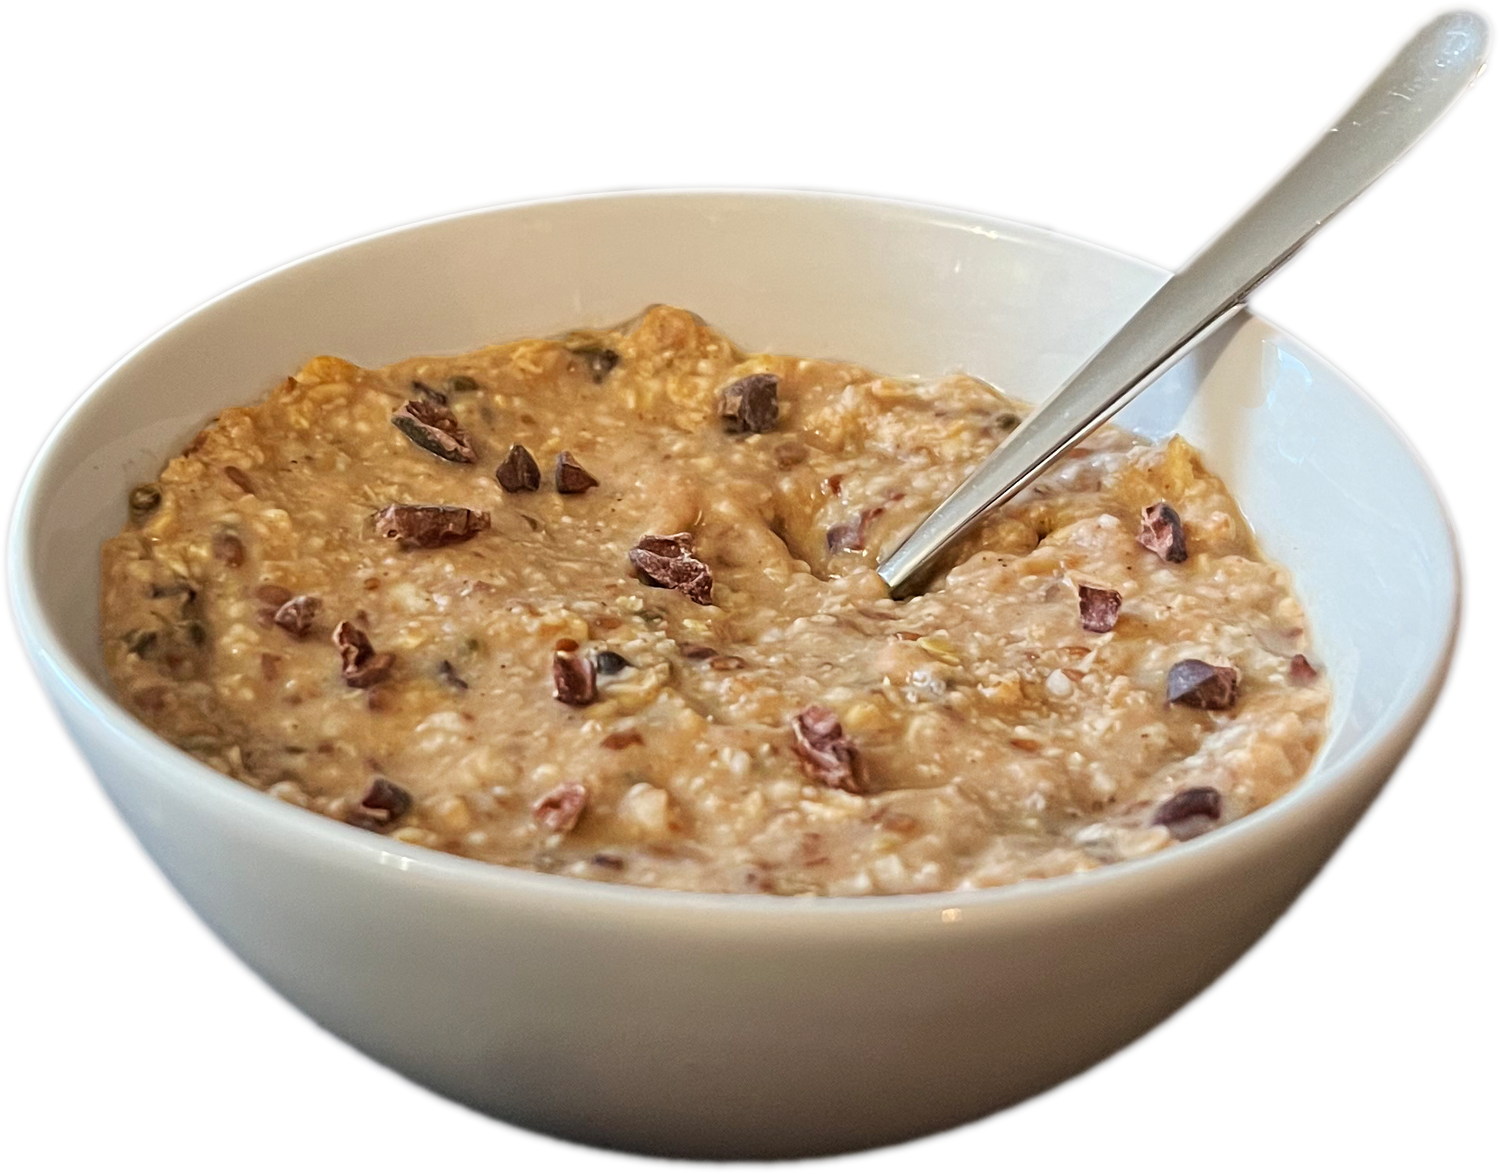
750	404
827	755
1200	685
1161	533
1098	608
667	560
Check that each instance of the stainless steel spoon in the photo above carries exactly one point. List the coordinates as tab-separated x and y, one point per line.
1423	80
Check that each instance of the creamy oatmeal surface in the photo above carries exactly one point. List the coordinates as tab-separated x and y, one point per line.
606	606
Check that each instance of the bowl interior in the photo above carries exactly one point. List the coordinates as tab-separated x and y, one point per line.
1331	488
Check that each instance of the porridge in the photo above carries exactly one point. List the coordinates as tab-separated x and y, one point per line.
606	606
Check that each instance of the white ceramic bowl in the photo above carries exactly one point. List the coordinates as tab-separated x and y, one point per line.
747	1025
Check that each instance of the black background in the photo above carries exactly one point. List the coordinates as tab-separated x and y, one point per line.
1143	134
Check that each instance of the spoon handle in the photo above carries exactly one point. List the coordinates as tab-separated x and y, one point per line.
1411	93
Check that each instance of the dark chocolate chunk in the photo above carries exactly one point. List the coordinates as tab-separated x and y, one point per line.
143	501
573	680
826	754
1201	685
599	360
384	805
433	427
1098	608
518	472
1301	670
240	479
228	549
667	560
608	662
1189	813
621	739
449	675
1161	533
560	808
571	477
697	651
460	383
430	526
431	394
297	613
750	404
362	665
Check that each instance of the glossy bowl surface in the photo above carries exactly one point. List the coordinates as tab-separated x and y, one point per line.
747	1026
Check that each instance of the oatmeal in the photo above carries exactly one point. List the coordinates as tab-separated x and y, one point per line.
606	606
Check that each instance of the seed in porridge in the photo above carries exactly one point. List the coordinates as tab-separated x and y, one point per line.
789	454
1200	685
571	477
599	361
462	383
431	394
1301	670
608	662
362	665
1161	533
724	664
827	755
1007	421
750	404
621	739
143	501
228	549
433	428
297	613
608	860
430	526
448	675
573	678
240	478
518	472
667	560
1189	813
271	594
560	808
1098	608
697	651
383	806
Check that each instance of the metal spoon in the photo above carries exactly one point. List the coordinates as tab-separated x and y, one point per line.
1410	95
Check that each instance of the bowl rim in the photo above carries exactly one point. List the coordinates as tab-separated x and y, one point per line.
349	846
